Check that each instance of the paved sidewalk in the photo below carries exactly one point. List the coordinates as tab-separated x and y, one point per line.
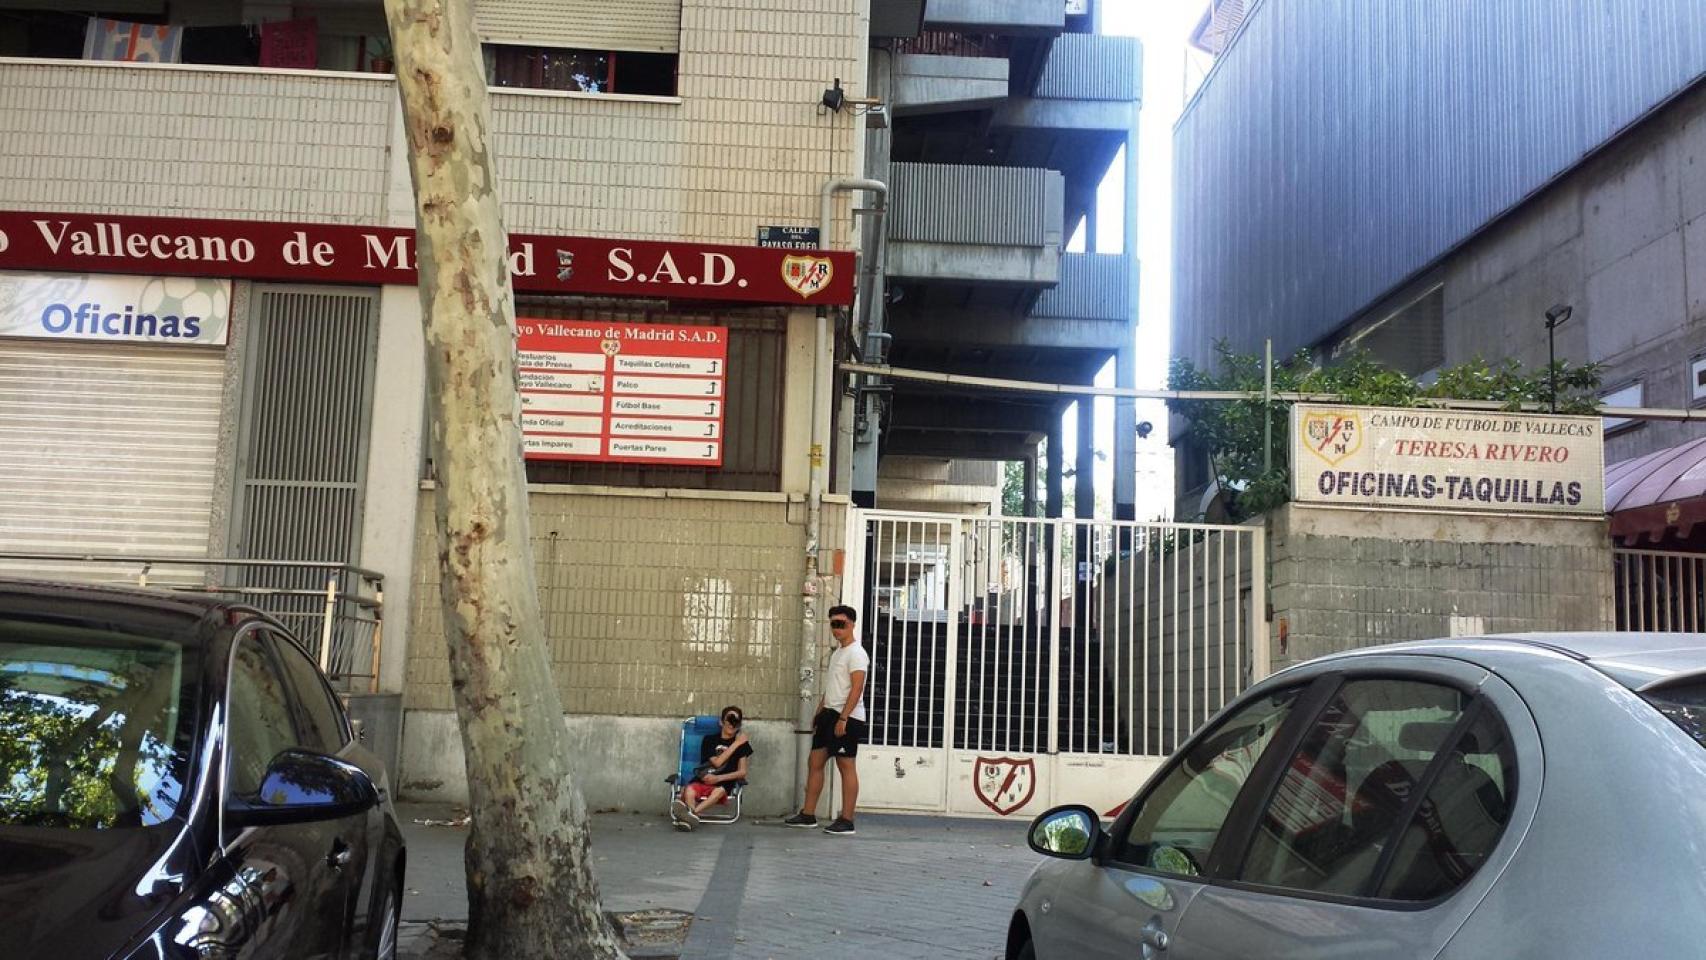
904	887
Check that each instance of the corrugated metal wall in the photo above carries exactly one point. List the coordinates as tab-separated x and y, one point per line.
647	26
1093	286
1090	66
107	448
997	206
1341	146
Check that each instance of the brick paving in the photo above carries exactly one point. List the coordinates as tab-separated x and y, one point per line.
905	887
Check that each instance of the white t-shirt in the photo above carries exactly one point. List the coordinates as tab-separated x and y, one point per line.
843	663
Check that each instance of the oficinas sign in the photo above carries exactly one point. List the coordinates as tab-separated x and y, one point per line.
334	253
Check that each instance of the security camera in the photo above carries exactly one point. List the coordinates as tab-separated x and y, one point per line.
1144	428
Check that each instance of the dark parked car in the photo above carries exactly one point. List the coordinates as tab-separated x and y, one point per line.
177	779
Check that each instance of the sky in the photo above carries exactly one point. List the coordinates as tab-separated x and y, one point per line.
1170	66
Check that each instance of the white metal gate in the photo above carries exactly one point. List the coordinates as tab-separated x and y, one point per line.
1018	663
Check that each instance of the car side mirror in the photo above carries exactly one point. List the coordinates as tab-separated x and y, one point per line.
1070	832
301	786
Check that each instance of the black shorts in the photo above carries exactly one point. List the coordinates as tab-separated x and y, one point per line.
824	738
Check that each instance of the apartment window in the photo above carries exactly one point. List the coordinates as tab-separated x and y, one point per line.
582	71
1697	380
342	36
1629	395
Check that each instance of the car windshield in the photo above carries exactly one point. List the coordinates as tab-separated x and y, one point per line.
1685	705
94	726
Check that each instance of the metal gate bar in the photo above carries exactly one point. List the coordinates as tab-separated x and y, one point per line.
996	636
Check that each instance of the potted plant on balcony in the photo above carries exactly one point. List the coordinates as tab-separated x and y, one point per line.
379	54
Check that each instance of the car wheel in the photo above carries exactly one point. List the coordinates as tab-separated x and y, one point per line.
386	946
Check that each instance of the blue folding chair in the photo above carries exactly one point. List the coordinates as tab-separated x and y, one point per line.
694	730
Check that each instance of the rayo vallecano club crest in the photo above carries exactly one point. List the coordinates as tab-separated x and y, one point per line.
806	276
1004	784
1332	436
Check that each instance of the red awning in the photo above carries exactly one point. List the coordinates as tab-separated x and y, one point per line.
1660	492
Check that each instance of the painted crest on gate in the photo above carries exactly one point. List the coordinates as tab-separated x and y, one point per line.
1004	784
1333	436
807	276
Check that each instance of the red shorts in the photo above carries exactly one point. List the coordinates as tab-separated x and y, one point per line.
697	791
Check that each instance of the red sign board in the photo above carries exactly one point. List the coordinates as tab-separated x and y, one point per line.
334	253
622	392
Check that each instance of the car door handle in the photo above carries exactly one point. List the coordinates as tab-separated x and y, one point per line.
340	856
1155	939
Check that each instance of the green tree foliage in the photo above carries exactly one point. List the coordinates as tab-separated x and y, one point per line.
1233	430
1013	489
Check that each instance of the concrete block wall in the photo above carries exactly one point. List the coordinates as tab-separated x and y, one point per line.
745	143
657	606
1621	238
1342	579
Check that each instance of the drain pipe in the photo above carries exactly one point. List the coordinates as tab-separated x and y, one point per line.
822	379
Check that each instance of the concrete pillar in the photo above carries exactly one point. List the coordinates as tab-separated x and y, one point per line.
1090	220
1054	480
1084	486
1030	502
1125	362
1125	435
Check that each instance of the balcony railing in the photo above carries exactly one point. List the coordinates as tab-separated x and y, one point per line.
1093	286
987	206
1089	66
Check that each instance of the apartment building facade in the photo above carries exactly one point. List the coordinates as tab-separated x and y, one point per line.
255	183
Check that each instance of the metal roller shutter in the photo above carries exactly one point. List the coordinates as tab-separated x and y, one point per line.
641	26
106	449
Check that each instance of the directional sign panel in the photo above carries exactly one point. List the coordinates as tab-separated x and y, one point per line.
623	392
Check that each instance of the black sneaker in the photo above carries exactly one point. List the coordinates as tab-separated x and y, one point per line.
842	827
800	820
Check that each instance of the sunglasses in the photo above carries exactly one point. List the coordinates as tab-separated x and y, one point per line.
732	720
838	624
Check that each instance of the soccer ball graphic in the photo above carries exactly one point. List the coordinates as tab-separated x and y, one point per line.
185	297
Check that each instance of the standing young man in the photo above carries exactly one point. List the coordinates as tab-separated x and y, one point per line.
839	726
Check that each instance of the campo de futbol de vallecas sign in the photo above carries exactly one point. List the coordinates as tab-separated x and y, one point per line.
1447	460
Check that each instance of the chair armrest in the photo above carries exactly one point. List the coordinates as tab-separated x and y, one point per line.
672	778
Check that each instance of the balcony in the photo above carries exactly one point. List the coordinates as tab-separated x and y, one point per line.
1089	83
1002	16
1093	286
1090	66
1089	309
966	223
928	83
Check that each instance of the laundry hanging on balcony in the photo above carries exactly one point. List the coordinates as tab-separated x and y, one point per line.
134	42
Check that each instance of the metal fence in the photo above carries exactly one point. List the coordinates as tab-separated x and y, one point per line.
1660	591
1054	636
334	609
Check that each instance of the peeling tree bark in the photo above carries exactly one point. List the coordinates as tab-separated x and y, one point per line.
531	891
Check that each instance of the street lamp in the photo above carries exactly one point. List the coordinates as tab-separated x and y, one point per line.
1555	318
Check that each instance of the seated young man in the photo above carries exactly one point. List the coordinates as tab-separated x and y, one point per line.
723	766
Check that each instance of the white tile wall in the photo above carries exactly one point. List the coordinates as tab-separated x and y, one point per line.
744	144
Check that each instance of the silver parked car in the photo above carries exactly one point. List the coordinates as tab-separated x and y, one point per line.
1536	796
